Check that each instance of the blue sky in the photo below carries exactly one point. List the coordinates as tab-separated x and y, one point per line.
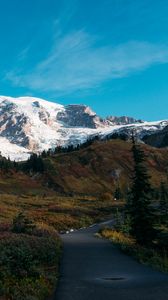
109	54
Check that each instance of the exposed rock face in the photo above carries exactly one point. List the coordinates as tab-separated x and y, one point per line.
13	124
79	116
142	129
123	120
31	124
158	139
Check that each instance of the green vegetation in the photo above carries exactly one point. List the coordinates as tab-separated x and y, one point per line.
141	230
163	199
92	169
29	244
139	208
60	212
126	243
72	188
29	257
21	224
34	164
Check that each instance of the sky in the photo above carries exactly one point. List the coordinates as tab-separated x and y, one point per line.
109	54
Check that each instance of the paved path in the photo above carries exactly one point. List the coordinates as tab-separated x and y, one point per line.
89	264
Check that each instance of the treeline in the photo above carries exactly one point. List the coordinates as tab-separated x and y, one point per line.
69	148
6	164
115	136
35	162
89	142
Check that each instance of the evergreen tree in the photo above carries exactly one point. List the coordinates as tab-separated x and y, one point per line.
118	193
34	163
163	198
44	154
22	224
139	209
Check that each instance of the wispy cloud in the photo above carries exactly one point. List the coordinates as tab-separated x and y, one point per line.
76	62
23	54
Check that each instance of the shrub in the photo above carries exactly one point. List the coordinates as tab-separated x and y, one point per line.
117	237
28	261
22	224
106	196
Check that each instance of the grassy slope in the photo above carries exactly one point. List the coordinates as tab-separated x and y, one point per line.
84	177
83	184
90	170
87	173
61	212
18	183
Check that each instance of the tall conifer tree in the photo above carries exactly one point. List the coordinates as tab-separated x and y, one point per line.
140	211
163	198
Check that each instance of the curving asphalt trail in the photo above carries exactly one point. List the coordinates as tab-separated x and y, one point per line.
93	269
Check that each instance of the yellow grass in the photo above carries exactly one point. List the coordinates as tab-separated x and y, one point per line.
61	212
117	237
144	255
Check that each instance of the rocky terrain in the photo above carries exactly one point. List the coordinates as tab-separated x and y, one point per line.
157	139
30	124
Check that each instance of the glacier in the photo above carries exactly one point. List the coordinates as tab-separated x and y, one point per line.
29	124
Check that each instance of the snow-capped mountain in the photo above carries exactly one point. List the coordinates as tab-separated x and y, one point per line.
124	120
29	124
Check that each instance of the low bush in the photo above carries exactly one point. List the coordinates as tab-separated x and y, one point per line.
28	263
117	237
106	196
22	224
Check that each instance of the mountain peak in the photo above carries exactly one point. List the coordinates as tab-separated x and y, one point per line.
29	124
123	120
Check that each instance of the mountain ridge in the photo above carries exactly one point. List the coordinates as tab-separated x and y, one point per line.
29	124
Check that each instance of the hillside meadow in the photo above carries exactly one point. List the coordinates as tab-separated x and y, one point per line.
99	168
74	190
